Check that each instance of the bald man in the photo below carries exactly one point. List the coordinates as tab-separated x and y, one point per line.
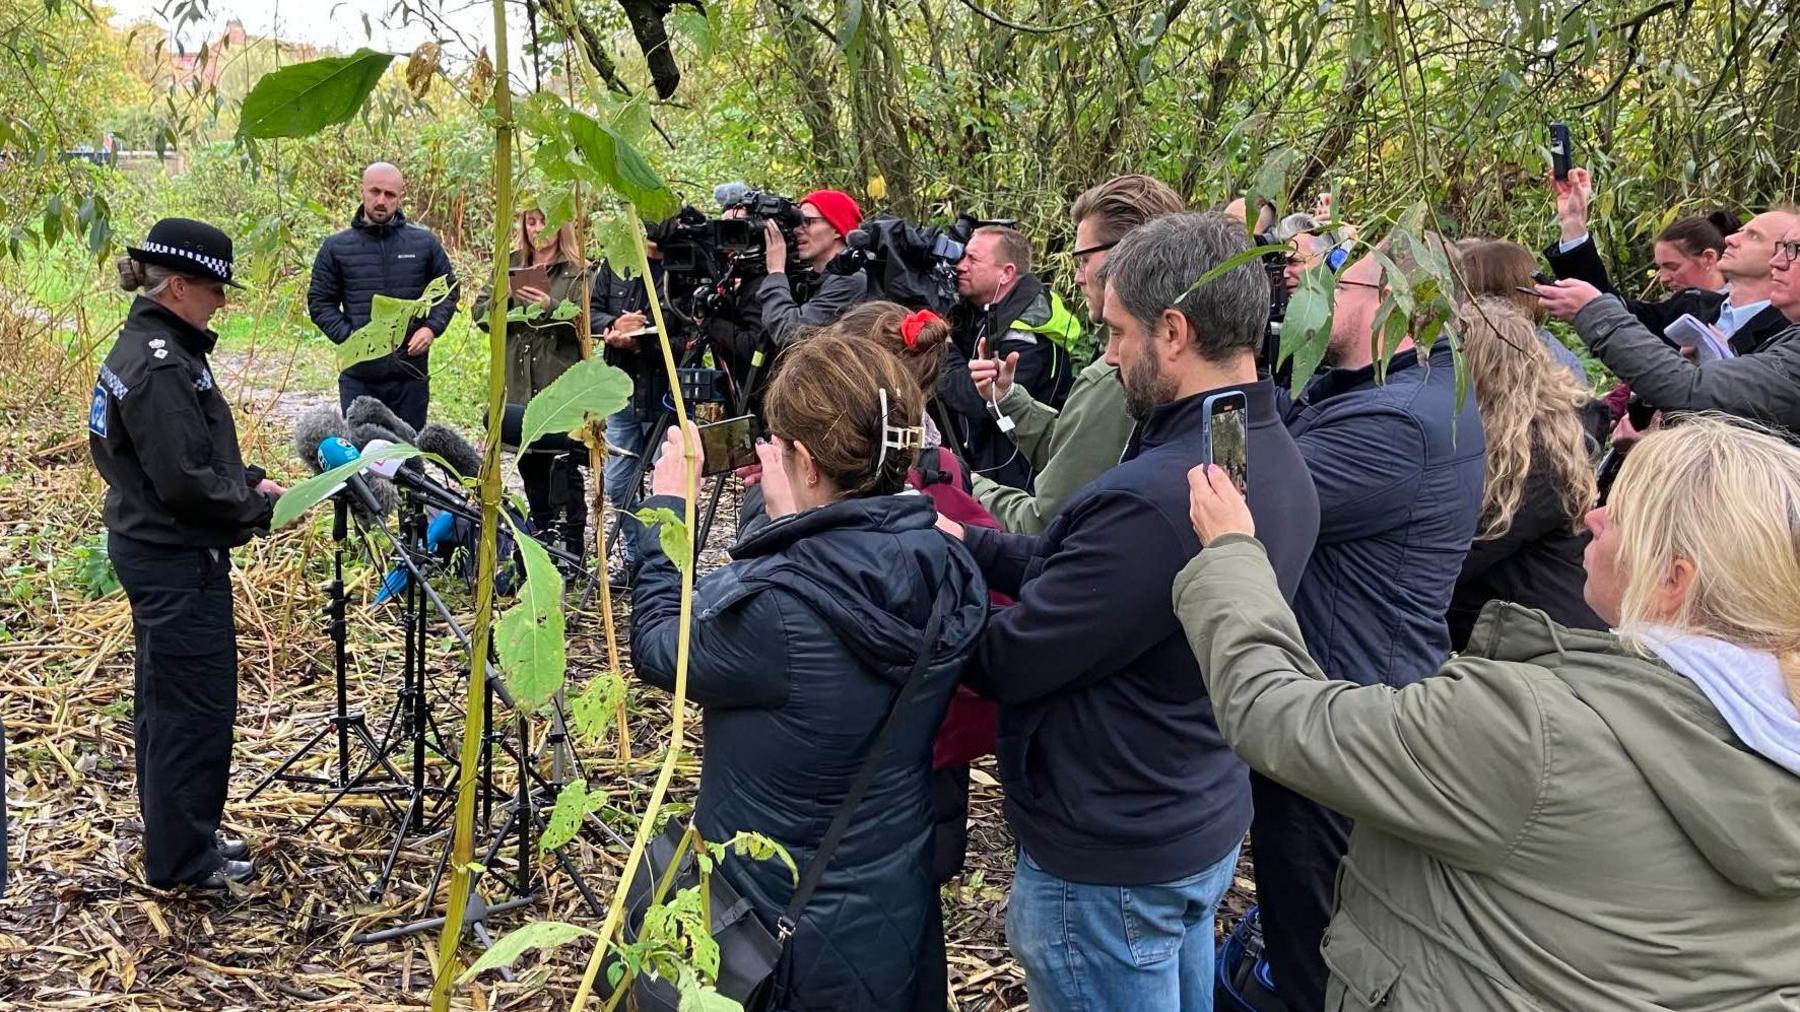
382	253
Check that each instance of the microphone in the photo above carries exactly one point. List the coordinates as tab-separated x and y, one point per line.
366	410
335	451
448	444
417	480
315	427
439	530
369	432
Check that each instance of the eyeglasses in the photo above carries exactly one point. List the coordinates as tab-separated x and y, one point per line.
809	220
1788	250
1081	255
1361	284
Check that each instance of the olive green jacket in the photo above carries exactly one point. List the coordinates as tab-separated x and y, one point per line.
1550	822
1066	449
539	349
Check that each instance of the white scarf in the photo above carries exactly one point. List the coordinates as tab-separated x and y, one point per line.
1744	685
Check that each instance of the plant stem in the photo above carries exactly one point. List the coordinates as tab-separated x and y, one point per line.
678	706
462	849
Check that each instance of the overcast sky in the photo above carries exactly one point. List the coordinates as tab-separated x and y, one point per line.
337	24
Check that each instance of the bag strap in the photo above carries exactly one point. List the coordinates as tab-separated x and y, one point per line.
840	823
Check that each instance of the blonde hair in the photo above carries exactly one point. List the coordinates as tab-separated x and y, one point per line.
1724	495
566	247
1529	405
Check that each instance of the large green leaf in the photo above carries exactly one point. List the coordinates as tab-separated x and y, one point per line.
621	167
388	317
1306	329
587	389
535	935
529	637
302	99
306	494
593	708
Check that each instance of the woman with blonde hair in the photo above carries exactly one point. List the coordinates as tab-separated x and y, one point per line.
1561	818
1539	482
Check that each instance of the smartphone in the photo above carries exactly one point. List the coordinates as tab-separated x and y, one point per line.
1562	152
1528	291
727	445
1225	433
1541	278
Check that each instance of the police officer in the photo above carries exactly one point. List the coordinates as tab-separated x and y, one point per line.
178	499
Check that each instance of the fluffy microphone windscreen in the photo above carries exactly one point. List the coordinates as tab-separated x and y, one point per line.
368	410
313	428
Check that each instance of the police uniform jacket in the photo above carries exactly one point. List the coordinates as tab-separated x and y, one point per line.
161	435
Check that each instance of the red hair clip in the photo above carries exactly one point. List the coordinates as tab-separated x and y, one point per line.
915	322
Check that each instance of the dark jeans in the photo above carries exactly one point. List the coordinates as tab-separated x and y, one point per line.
1297	844
186	700
556	495
406	397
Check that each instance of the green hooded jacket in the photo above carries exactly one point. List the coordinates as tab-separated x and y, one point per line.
1066	449
540	348
1550	822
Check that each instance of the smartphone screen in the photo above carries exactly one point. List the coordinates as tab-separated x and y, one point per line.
1562	155
728	445
1227	436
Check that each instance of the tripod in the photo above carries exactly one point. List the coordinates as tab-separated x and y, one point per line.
346	723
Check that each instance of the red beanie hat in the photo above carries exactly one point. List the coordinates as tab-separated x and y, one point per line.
837	208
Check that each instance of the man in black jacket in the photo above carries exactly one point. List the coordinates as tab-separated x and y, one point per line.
382	253
1004	310
1398	471
1127	803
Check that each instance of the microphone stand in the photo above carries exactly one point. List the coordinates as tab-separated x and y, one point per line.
345	722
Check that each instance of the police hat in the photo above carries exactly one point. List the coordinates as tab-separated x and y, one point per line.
189	246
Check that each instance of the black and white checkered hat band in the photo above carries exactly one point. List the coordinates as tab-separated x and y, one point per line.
218	266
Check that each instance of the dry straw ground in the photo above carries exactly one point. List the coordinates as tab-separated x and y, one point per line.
79	929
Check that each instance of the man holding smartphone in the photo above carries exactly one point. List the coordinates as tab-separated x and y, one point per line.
1119	788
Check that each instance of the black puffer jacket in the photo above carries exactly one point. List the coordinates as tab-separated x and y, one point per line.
397	258
800	648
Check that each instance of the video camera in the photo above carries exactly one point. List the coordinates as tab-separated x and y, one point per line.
913	266
707	249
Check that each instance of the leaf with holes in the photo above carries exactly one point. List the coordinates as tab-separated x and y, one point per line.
619	245
573	804
758	847
305	98
512	945
388	321
587	390
593	708
529	637
671	533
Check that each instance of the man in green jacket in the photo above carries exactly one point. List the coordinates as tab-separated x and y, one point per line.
1560	818
1069	448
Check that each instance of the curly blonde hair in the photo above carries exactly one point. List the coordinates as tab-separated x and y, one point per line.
1529	405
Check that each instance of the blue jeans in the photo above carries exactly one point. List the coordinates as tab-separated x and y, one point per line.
628	430
1138	948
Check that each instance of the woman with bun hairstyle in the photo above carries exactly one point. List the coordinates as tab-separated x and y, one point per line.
178	500
800	647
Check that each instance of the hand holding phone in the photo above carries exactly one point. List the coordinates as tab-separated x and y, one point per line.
1225	434
727	445
1562	151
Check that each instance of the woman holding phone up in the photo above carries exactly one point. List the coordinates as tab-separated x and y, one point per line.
801	646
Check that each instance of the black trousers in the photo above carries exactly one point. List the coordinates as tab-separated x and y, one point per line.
556	495
186	700
1297	844
407	397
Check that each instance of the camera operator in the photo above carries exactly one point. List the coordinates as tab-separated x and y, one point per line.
178	499
826	217
1005	310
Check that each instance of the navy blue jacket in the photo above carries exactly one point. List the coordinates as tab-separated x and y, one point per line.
800	647
1115	773
398	259
1399	496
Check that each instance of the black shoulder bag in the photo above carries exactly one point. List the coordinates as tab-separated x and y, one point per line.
748	952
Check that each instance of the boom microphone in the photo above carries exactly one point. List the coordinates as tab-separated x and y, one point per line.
315	427
448	444
417	480
366	410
